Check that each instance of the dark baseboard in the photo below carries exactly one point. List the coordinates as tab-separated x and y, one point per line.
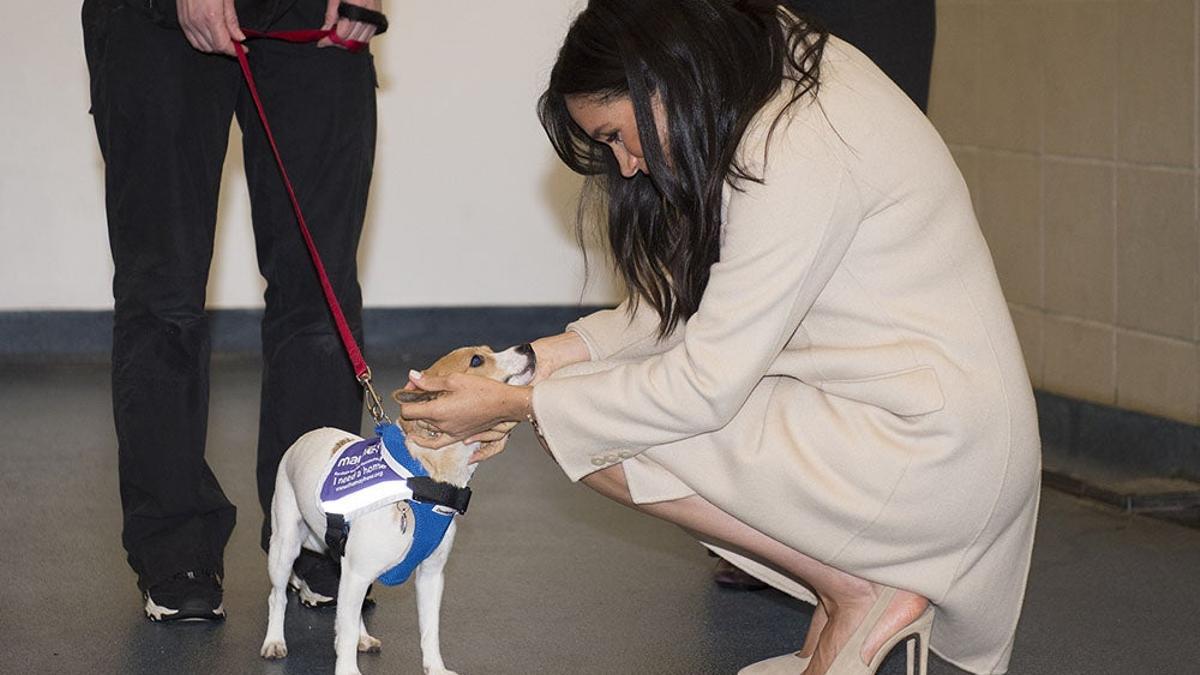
391	333
1092	450
1135	462
1122	440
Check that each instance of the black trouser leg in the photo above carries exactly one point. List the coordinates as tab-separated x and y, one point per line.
162	114
321	106
898	35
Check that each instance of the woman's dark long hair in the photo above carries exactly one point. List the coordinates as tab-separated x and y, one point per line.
713	64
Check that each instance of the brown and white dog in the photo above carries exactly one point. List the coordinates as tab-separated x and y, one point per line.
379	539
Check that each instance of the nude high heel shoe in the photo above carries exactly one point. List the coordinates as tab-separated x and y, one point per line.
787	664
848	661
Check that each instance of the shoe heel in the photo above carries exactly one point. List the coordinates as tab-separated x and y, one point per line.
917	643
916	646
915	636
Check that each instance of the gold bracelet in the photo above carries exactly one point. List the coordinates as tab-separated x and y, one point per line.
533	422
537	428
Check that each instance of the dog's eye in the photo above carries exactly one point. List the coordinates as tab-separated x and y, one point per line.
476	361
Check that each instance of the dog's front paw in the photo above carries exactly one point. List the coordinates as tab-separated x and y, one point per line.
368	644
274	650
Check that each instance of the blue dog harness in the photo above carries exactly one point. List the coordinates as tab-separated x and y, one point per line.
380	471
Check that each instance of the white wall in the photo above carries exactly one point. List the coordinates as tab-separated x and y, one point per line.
469	204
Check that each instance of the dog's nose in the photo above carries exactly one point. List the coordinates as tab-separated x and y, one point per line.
526	350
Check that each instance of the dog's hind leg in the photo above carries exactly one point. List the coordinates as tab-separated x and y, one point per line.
430	583
366	643
286	534
348	625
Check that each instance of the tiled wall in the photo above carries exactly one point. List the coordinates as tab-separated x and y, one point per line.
1076	124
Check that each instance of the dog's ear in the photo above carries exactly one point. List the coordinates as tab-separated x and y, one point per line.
414	396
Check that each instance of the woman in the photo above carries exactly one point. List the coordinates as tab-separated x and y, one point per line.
815	372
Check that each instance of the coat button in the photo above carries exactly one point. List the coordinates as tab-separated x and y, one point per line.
626	455
598	461
612	459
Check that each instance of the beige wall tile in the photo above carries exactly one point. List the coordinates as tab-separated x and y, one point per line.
1156	81
954	84
1028	323
1158	376
1078	359
1081	73
1010	75
1080	229
1009	207
1157	255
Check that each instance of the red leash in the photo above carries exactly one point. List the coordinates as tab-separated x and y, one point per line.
361	370
299	37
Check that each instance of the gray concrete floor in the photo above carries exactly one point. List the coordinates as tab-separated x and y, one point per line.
546	577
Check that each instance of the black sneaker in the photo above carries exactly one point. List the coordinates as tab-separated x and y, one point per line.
187	596
315	578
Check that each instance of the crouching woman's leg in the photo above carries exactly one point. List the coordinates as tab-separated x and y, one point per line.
844	600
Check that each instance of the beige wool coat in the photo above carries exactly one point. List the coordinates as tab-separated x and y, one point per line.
851	384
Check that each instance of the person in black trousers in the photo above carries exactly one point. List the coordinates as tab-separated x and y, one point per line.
164	91
898	36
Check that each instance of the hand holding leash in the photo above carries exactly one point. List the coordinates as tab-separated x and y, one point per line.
210	26
356	20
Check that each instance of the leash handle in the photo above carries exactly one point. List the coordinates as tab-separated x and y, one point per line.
356	13
362	372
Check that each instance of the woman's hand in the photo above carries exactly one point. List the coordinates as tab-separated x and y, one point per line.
487	450
469	408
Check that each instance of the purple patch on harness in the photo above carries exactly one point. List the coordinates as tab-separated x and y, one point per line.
358	467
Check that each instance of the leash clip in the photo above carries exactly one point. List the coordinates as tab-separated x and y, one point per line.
374	402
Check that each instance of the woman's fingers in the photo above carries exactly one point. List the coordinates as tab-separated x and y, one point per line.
425	410
436	442
466	406
428	382
415	411
490	436
488	450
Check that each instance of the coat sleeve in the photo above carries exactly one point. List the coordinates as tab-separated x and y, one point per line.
618	333
782	241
